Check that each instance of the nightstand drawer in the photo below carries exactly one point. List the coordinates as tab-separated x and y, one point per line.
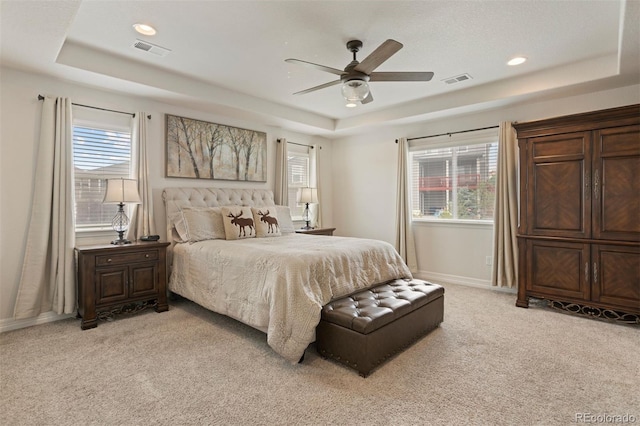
126	258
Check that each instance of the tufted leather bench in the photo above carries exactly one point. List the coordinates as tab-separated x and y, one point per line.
366	328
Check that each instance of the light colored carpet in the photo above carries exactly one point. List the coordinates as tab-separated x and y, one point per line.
488	363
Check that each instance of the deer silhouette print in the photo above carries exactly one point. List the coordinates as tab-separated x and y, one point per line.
271	221
241	223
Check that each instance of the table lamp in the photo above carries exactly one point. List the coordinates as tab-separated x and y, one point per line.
307	196
120	191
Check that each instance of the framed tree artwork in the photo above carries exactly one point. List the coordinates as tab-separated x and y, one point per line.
202	150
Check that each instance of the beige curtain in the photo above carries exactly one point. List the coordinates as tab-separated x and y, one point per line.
505	221
48	282
281	192
314	182
404	233
142	221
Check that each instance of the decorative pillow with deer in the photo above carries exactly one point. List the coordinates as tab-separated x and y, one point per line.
266	220
238	222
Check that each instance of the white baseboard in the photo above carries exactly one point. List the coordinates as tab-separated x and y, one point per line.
438	278
13	324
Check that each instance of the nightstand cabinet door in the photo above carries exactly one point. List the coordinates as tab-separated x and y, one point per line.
144	280
111	285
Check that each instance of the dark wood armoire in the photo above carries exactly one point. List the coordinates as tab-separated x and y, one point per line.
579	231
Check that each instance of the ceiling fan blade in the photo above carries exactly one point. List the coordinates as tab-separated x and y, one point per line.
322	86
401	76
368	99
378	56
316	66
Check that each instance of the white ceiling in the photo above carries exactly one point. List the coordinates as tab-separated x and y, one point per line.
228	56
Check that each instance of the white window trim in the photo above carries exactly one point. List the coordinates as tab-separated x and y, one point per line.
94	118
302	151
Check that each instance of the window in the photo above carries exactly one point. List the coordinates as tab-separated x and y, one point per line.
454	177
100	152
298	174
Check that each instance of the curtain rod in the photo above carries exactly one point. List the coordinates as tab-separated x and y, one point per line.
133	114
451	133
299	144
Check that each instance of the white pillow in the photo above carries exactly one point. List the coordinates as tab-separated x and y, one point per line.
238	222
266	220
179	233
200	223
284	219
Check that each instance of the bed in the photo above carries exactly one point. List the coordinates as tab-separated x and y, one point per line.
277	283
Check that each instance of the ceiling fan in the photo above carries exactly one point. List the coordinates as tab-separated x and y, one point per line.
356	75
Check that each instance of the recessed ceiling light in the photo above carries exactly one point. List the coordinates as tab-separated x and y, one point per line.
144	29
517	60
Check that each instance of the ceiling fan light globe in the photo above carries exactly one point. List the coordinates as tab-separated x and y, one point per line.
355	90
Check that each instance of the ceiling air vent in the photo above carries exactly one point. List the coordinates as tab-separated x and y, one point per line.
457	79
151	48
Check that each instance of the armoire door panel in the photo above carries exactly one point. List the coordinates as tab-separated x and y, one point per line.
558	198
559	201
559	269
616	280
617	184
620	207
618	141
562	146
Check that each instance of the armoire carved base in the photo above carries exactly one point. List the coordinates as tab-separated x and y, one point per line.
591	311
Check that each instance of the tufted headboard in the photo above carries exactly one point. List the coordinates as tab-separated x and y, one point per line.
177	198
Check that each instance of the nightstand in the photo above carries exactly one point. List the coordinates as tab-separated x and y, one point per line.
115	279
316	231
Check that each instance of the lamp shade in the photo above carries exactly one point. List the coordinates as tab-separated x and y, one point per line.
121	191
307	195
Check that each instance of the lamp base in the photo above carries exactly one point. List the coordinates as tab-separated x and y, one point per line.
119	242
306	216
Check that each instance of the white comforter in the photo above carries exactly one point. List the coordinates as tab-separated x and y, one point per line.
279	284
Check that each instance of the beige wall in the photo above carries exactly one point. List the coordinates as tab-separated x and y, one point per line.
364	201
19	124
